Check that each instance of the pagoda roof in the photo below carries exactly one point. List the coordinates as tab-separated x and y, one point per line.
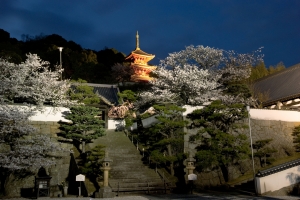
281	86
140	52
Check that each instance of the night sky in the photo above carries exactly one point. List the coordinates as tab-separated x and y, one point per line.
164	26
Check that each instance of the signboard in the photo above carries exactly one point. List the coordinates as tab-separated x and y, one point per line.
80	177
192	177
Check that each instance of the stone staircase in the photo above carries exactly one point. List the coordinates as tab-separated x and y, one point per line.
128	173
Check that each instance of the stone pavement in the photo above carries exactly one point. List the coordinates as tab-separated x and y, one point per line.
195	196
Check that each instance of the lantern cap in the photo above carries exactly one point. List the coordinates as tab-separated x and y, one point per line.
106	158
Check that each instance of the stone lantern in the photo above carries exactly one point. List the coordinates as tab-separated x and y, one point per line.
106	167
191	177
190	165
42	183
105	191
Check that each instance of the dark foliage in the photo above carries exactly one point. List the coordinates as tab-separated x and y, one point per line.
264	151
90	65
221	143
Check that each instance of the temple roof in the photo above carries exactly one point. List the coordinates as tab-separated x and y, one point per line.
107	93
281	86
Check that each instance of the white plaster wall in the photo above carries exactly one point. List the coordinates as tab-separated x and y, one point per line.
279	115
51	114
146	122
115	124
278	180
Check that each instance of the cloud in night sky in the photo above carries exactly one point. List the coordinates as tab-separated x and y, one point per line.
164	26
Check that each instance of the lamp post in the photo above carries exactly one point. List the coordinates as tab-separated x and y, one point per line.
60	65
251	144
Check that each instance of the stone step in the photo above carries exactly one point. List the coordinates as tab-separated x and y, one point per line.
117	176
137	178
145	188
143	171
128	171
127	180
145	184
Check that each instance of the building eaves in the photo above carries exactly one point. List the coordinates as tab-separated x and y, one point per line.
281	86
278	168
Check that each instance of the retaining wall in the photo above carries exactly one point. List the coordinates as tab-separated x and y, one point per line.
265	124
59	172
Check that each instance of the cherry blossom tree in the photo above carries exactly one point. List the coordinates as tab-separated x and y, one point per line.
200	56
33	82
21	148
181	85
197	75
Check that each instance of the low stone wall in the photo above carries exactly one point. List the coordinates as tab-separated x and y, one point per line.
46	127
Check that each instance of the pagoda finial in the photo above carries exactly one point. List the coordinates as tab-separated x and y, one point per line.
137	41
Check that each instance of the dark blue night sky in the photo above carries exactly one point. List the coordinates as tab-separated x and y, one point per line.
164	26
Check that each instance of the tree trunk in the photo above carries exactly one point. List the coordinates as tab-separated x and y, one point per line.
225	172
261	162
83	146
3	177
171	163
172	168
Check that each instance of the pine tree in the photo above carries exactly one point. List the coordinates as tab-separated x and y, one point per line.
84	126
83	93
263	151
92	163
221	143
166	137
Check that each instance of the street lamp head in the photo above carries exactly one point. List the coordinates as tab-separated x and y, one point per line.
60	48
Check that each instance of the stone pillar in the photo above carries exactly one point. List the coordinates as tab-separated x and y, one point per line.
105	168
105	175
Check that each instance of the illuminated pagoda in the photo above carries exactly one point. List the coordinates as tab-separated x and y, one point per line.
139	62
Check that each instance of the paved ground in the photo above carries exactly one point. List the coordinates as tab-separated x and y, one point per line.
197	196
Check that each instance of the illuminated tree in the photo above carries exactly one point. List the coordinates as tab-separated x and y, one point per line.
33	82
197	75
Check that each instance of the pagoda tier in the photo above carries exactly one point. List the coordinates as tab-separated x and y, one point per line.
141	72
139	63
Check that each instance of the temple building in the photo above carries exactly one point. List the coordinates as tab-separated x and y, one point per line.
139	62
280	90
